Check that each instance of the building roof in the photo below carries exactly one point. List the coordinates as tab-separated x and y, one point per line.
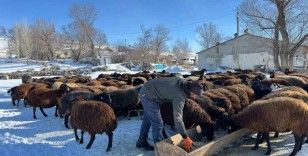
245	34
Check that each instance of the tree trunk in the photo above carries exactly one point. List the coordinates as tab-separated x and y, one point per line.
276	47
291	61
281	21
284	61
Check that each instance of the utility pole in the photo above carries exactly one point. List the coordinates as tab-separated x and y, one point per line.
237	24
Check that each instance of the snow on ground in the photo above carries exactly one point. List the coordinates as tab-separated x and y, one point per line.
7	66
21	134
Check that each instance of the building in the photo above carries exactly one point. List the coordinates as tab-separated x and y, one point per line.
4	48
190	59
245	52
104	57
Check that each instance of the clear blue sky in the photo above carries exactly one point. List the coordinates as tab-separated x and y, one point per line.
121	19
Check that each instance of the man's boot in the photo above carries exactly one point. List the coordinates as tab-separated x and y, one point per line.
143	143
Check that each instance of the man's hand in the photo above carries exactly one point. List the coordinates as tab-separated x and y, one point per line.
187	143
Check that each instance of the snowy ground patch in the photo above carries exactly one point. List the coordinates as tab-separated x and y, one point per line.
20	134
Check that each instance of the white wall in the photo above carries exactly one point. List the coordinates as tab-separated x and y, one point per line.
3	47
104	60
252	50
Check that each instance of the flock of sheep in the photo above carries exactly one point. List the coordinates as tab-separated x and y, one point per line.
244	99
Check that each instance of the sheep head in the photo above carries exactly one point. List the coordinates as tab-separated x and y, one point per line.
105	97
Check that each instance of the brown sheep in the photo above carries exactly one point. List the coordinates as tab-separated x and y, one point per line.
220	101
26	79
208	105
109	89
244	99
248	91
193	115
293	80
292	88
289	93
207	85
235	100
110	83
21	91
231	82
93	117
279	114
45	98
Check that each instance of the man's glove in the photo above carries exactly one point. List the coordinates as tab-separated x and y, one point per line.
187	144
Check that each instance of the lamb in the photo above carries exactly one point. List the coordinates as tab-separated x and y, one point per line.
279	114
45	98
67	102
93	117
193	115
21	91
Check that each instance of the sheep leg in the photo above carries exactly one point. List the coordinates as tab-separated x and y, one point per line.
257	141
276	135
43	112
301	142
81	140
18	102
13	102
76	135
66	120
56	112
267	139
91	141
110	139
34	110
25	102
296	146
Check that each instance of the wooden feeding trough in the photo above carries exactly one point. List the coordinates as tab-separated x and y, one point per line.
169	147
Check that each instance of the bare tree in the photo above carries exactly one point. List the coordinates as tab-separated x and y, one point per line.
84	16
143	47
44	39
208	35
180	49
19	39
159	42
279	19
100	40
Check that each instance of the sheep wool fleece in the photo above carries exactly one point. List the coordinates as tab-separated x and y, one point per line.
152	95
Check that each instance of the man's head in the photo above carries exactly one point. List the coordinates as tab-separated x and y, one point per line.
192	87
